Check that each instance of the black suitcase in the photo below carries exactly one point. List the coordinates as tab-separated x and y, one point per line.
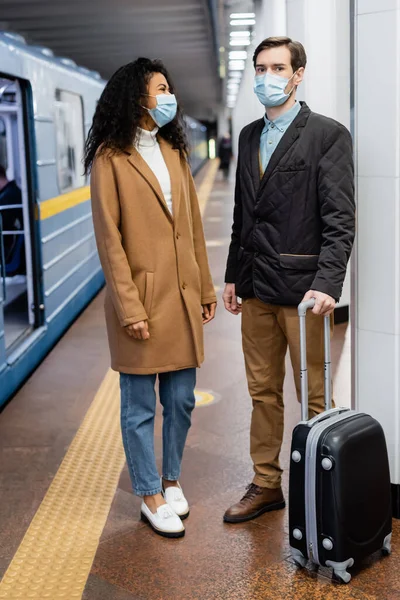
339	488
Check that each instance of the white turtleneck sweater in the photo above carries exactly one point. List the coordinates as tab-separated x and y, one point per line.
149	149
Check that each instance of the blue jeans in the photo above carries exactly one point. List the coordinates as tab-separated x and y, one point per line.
138	409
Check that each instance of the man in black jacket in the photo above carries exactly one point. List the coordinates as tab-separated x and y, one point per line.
292	235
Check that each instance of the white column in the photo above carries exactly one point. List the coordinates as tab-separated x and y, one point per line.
377	120
272	19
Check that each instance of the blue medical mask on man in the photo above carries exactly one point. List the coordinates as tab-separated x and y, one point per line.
166	109
270	89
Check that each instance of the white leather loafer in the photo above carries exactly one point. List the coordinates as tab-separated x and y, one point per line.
165	521
177	501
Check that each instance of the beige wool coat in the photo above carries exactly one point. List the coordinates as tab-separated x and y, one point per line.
155	264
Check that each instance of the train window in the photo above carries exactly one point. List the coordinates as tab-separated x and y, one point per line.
70	140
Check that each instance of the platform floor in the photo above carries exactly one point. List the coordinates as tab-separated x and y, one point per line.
214	561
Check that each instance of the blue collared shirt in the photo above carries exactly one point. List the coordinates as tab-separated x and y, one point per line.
273	132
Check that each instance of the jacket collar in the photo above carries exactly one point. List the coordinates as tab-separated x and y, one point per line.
172	160
283	121
288	139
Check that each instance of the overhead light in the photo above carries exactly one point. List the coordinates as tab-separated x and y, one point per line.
243	22
244	33
242	16
237	55
237	65
237	42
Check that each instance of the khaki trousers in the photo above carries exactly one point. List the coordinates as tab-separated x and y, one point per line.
267	332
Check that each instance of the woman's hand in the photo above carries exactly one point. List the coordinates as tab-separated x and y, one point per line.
209	312
139	331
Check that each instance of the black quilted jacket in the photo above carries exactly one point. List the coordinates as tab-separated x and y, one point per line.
293	230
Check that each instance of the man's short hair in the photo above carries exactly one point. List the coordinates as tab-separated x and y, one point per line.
297	52
3	173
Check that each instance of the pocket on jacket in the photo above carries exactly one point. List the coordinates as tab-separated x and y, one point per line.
148	294
299	262
294	167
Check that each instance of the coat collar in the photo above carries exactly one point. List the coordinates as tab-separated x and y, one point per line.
172	160
288	139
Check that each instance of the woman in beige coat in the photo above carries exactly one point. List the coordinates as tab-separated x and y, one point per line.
159	289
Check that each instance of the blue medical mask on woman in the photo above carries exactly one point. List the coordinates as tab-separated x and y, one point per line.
270	89
166	109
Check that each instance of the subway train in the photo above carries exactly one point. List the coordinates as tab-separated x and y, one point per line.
50	269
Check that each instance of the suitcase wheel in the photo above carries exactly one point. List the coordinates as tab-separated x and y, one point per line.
340	572
300	562
342	576
298	558
387	545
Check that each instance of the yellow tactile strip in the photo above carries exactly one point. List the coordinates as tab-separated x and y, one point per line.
56	554
206	186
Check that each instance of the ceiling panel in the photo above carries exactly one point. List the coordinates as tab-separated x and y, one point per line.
103	35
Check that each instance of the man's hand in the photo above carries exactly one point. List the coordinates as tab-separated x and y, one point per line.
324	304
209	312
230	299
139	331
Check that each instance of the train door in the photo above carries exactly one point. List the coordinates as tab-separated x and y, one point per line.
18	317
2	297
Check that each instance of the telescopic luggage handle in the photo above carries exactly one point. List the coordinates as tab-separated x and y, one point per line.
302	310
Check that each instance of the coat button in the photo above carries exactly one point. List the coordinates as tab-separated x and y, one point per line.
256	254
184	286
178	235
258	221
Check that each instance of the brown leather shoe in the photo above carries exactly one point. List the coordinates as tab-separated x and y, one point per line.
256	501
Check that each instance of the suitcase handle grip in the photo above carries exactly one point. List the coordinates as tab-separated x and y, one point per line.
302	310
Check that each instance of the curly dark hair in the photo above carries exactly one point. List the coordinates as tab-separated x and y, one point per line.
119	112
